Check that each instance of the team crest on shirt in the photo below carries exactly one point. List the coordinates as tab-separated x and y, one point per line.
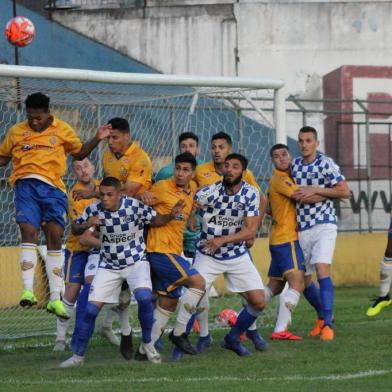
207	175
110	160
239	206
26	134
126	161
127	219
123	172
53	140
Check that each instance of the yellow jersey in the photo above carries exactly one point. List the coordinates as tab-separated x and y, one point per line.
135	165
284	220
206	174
169	238
76	208
42	154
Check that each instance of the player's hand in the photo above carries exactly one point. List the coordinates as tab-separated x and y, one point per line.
93	221
302	194
104	131
148	198
81	194
196	206
212	245
176	211
250	243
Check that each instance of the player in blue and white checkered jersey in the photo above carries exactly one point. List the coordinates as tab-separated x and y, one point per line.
119	223
317	174
230	213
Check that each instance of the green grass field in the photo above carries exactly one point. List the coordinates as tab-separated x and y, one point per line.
357	360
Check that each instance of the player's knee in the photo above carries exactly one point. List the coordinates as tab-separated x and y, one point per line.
257	303
197	282
143	296
29	233
124	299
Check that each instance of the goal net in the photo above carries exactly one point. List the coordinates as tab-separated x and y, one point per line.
159	108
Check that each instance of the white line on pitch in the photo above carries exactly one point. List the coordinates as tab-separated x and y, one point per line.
147	380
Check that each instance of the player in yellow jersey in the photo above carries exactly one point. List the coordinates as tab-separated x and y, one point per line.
207	174
126	161
76	255
38	148
169	270
212	171
287	259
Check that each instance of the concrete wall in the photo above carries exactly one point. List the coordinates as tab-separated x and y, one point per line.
299	41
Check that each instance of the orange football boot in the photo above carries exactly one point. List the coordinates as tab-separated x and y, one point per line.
318	326
327	333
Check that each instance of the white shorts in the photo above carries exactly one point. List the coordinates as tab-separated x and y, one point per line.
106	286
240	273
92	264
318	245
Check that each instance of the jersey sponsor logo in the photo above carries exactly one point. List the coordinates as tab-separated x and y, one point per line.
225	221
29	147
118	238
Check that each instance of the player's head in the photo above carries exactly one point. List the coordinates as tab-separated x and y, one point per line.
220	147
38	113
307	141
83	170
188	142
235	165
110	193
120	135
184	168
280	156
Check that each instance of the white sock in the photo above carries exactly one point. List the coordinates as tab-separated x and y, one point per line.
188	305
62	324
54	271
110	314
161	318
123	316
290	300
28	261
202	316
385	276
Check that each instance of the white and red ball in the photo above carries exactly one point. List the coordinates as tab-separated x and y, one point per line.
19	31
227	318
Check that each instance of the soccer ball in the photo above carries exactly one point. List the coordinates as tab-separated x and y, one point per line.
227	318
19	31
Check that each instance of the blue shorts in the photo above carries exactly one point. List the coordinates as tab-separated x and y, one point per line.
37	202
167	273
285	258
74	266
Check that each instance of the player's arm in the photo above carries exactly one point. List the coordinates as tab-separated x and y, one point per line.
102	133
247	233
89	238
4	160
132	188
138	176
79	227
163	219
6	150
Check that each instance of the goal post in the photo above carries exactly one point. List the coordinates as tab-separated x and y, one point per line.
159	108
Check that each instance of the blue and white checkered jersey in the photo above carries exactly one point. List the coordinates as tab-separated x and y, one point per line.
223	214
120	232
322	172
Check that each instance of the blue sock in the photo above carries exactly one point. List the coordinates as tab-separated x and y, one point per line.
326	296
312	294
145	312
86	328
80	310
245	319
190	324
